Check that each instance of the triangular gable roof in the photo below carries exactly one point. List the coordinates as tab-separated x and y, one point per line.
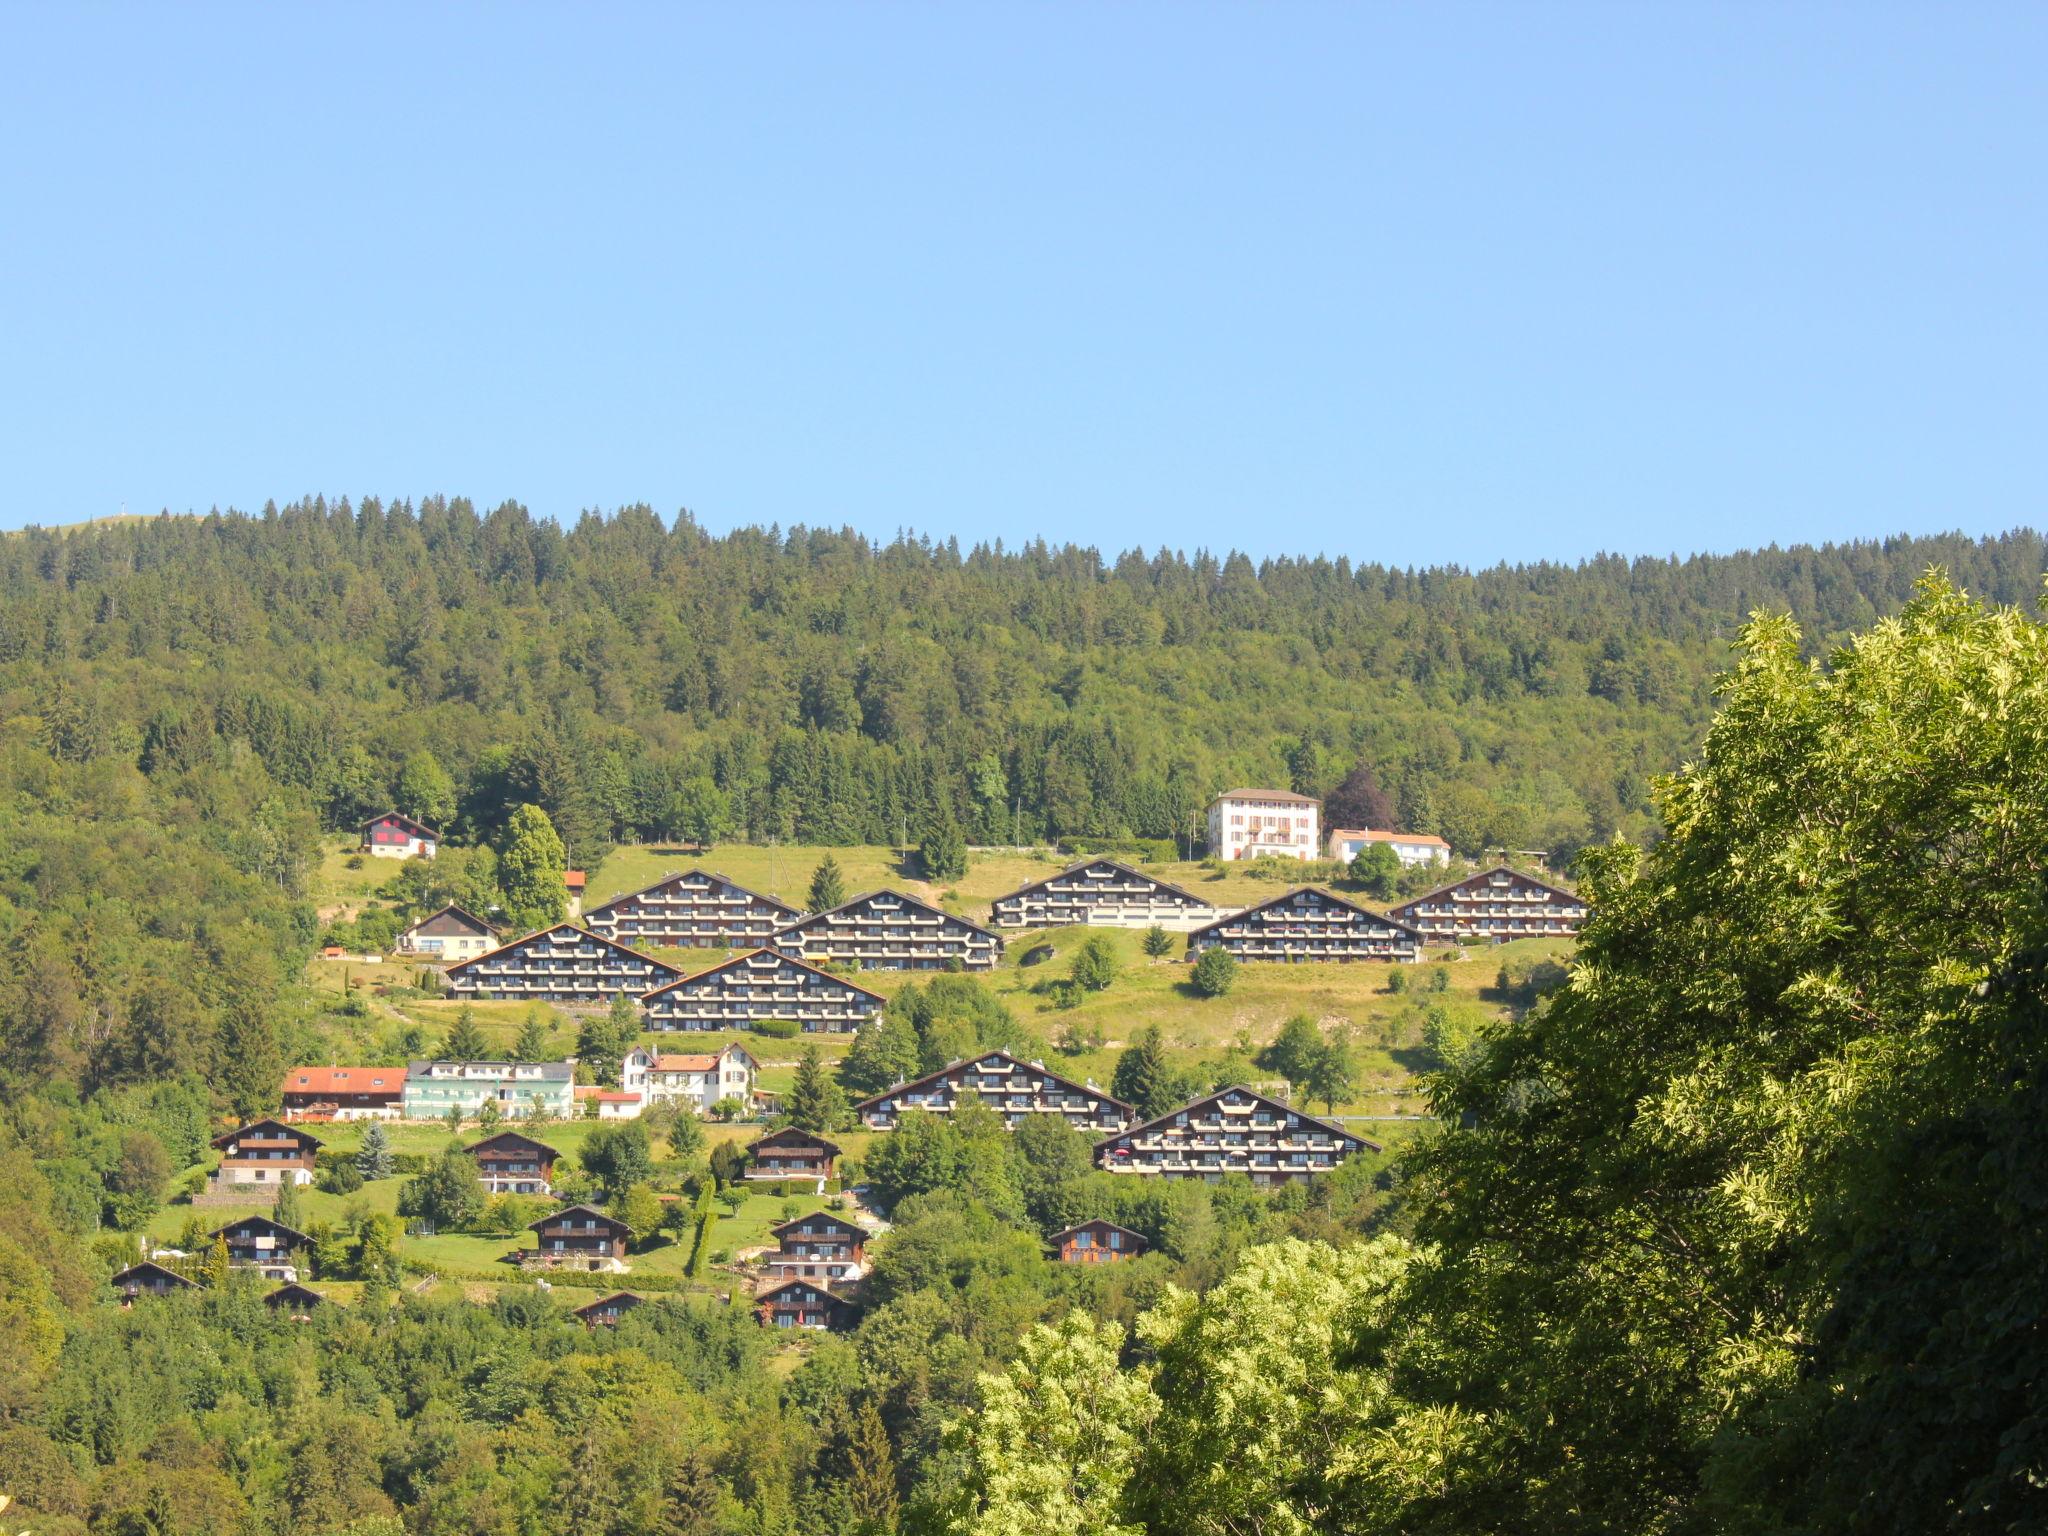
546	933
148	1269
708	874
291	1291
619	1299
1097	1221
742	959
1129	869
903	896
700	1061
976	1059
1257	1097
256	1125
411	821
452	910
579	1210
297	1239
819	1286
1289	895
852	1229
510	1137
790	1135
1488	874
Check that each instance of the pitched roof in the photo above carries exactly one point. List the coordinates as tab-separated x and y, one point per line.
289	1131
1287	795
546	1071
1363	834
390	1080
1488	874
744	959
709	874
840	1222
297	1238
618	1300
548	933
1330	896
598	1095
790	1135
574	879
1129	869
418	826
1093	1222
291	1291
148	1269
903	896
579	1210
800	1285
461	915
509	1138
976	1059
1207	1099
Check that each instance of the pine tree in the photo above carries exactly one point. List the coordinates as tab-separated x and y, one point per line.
373	1157
1142	1075
217	1266
289	1212
250	1067
1158	942
943	853
1215	973
532	1044
686	1138
871	1473
828	889
465	1041
815	1102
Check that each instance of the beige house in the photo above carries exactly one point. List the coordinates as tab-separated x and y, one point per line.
696	1080
449	934
1263	823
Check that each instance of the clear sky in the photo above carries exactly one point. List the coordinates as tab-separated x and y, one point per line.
1413	283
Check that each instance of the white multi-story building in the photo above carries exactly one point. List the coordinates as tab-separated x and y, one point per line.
1411	848
698	1081
1257	823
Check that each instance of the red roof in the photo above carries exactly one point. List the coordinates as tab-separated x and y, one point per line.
605	1095
385	1080
574	879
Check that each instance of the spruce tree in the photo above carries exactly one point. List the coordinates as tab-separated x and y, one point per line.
1158	942
828	888
943	853
532	1044
815	1102
1143	1079
373	1157
465	1041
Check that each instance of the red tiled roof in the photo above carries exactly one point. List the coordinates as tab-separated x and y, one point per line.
605	1095
389	1080
574	879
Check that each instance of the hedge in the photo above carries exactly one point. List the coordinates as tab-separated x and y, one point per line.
1154	850
778	1029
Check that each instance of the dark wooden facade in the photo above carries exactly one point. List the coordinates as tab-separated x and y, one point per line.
260	1243
258	1159
148	1279
1497	904
1101	893
792	1154
801	1304
1234	1130
697	910
562	964
889	931
765	984
511	1164
578	1237
1012	1088
294	1300
1306	924
1097	1242
820	1247
606	1311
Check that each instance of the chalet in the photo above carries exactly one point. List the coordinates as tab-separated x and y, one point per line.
820	1247
889	931
1233	1130
792	1154
1012	1088
562	964
148	1279
765	984
1411	848
1497	904
449	934
698	1080
801	1304
511	1164
609	1103
606	1311
343	1093
1097	1242
298	1300
257	1242
1101	893
258	1159
578	1237
697	910
1263	823
434	1089
397	836
1308	924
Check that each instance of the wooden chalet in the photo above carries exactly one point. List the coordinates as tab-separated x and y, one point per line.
577	1237
395	835
889	931
452	933
792	1154
1012	1088
562	964
258	1159
697	910
148	1279
511	1164
765	984
257	1242
1231	1131
801	1304
1097	1242
1306	924
1101	893
606	1311
820	1247
1496	904
297	1300
343	1093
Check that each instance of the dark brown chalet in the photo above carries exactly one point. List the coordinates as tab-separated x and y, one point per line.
395	835
257	1242
451	934
148	1279
1012	1088
297	1301
762	985
511	1164
1231	1131
1101	893
1097	1242
1306	924
606	1311
562	964
820	1247
258	1159
792	1154
1497	904
698	910
889	931
578	1237
801	1304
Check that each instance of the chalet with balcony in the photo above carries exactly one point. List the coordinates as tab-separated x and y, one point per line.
448	935
801	1304
889	931
397	836
792	1154
696	1080
577	1237
343	1093
765	984
258	1243
698	910
1231	1131
295	1301
819	1247
1097	1242
1012	1088
606	1311
148	1279
1306	924
1496	905
1101	893
258	1159
511	1164
562	964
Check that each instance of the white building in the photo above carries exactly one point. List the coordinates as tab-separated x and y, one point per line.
434	1088
696	1080
1411	848
1257	823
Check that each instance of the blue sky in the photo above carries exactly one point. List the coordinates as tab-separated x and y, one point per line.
1416	283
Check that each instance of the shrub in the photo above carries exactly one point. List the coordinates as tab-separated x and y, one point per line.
778	1029
1215	973
341	1177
